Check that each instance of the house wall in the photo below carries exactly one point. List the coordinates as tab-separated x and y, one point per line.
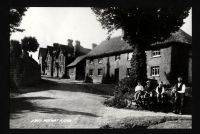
164	63
109	65
49	70
23	72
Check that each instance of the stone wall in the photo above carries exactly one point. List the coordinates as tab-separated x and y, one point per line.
24	72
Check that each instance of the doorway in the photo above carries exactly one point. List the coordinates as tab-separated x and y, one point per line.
116	75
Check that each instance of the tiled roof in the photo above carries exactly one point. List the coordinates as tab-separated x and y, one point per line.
77	60
116	44
50	49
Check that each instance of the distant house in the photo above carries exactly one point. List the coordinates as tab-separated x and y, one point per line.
42	57
165	60
49	61
59	56
76	69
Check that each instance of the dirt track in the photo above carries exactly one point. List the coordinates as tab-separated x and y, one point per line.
62	107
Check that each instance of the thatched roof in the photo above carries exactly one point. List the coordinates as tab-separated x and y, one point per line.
77	60
117	45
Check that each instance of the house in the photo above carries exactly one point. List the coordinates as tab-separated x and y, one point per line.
165	60
76	69
49	61
59	56
41	57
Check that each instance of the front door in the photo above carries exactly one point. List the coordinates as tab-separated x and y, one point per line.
116	75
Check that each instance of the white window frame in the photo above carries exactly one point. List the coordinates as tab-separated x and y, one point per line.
129	55
100	60
91	61
156	53
98	72
117	57
155	71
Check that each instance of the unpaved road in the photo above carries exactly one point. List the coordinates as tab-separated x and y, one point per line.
61	107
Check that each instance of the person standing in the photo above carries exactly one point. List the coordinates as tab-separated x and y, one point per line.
179	90
160	91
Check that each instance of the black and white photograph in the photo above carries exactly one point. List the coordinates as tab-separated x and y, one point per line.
100	67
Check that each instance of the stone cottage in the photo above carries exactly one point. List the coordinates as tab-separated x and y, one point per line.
165	60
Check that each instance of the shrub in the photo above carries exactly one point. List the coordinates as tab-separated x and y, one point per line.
123	89
88	79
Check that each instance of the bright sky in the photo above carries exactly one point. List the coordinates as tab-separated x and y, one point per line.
55	25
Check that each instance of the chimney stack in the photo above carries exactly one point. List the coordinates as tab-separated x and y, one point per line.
70	41
77	43
76	48
94	45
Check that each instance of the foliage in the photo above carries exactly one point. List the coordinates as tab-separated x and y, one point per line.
141	122
143	26
123	90
29	44
88	79
15	18
15	48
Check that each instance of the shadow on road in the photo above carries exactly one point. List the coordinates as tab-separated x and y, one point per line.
23	104
99	89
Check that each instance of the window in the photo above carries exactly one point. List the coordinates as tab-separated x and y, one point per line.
156	53
90	72
100	60
91	61
117	57
129	56
155	71
128	72
100	72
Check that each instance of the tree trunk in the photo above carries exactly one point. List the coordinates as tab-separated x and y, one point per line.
138	64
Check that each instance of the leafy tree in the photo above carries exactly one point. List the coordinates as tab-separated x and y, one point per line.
15	18
15	48
142	27
29	44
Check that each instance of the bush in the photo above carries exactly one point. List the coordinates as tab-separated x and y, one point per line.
123	89
88	79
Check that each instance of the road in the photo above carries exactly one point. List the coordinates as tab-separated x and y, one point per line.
66	105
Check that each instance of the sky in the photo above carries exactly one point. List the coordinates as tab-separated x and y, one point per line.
55	25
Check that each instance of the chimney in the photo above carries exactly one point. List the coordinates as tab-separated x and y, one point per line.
94	45
70	41
77	43
76	48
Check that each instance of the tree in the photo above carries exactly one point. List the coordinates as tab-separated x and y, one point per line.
142	27
15	48
15	18
29	44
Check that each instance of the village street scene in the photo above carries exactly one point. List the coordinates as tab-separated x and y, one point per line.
101	68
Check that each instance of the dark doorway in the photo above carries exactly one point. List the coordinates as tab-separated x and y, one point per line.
116	75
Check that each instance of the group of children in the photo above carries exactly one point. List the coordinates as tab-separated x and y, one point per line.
178	92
